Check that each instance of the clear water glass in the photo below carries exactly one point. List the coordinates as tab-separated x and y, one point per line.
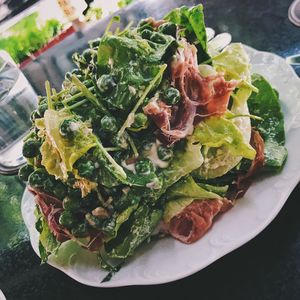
17	101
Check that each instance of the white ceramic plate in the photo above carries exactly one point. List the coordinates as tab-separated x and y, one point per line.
168	259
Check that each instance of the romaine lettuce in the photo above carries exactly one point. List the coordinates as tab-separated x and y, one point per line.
224	146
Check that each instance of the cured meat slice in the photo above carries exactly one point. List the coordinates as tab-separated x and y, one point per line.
200	96
194	221
243	181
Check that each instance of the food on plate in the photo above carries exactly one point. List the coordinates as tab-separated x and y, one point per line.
153	134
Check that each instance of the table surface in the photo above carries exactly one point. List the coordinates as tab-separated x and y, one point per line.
267	267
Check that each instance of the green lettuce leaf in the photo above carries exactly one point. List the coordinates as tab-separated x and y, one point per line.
183	193
144	220
47	242
188	188
186	158
266	104
59	154
192	20
224	146
234	62
121	218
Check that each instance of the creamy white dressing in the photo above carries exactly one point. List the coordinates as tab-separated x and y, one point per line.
130	167
74	126
132	90
153	156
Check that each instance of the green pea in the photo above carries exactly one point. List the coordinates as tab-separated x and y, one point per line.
168	28
86	168
157	38
88	54
49	184
106	83
68	128
144	167
140	120
68	76
171	96
37	178
93	221
164	153
80	230
146	34
34	115
109	124
94	43
78	73
25	171
67	219
70	203
42	108
31	148
59	190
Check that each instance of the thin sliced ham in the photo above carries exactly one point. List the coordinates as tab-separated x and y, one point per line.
243	181
195	220
52	208
200	96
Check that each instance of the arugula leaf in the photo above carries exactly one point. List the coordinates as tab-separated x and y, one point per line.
192	20
266	104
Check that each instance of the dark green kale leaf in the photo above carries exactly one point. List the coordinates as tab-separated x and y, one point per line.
265	104
192	21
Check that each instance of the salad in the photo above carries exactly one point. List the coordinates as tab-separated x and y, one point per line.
154	134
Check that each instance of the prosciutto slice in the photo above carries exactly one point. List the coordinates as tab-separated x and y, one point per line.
244	181
200	96
195	220
52	208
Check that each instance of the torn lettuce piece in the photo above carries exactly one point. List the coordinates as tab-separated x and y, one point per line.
58	153
224	146
221	190
233	62
266	104
188	188
182	194
144	220
192	22
121	218
187	157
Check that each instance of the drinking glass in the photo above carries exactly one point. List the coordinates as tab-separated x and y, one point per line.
17	101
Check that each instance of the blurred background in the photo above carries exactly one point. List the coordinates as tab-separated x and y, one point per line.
29	28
